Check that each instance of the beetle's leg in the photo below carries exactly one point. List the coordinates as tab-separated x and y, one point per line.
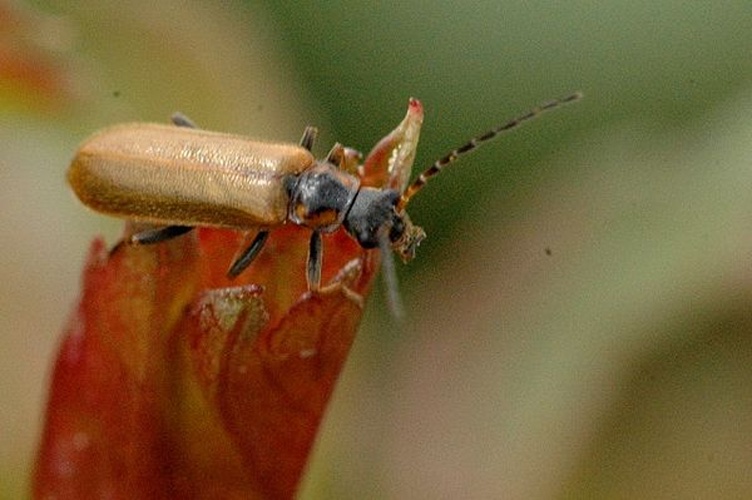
181	120
309	137
352	160
250	253
348	159
347	275
336	155
152	236
157	235
313	267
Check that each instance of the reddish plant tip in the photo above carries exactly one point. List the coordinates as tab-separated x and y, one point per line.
390	162
415	106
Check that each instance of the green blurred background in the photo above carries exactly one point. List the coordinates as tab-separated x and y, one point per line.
579	322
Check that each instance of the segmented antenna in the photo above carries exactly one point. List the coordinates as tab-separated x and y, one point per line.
434	169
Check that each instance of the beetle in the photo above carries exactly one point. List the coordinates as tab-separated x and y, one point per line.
179	176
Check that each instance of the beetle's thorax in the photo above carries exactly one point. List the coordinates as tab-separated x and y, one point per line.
324	197
321	196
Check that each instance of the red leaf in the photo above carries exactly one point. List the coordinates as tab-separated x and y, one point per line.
166	386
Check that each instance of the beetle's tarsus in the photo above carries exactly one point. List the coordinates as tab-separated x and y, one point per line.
348	292
347	276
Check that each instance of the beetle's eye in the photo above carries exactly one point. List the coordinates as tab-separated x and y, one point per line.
397	229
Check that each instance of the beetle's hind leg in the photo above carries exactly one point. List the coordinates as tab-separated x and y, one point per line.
151	236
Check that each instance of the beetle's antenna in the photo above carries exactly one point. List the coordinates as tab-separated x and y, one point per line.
434	169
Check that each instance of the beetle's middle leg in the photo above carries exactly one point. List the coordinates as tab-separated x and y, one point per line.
246	257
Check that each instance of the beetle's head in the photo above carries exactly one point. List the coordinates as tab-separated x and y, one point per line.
374	217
